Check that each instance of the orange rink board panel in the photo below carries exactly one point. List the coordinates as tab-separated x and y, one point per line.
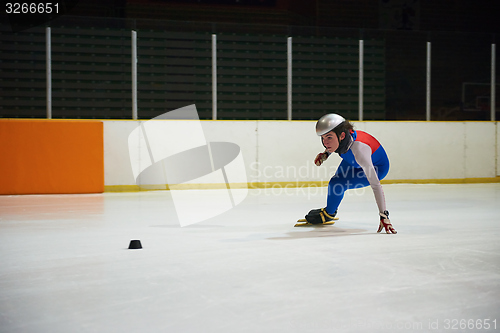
51	156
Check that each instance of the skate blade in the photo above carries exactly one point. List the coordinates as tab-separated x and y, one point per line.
307	224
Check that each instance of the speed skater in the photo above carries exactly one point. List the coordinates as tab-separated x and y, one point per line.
364	162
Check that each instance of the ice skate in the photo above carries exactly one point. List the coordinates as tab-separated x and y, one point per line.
317	217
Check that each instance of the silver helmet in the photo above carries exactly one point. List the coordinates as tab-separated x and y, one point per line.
328	122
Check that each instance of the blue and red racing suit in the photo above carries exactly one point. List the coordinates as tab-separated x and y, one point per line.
365	163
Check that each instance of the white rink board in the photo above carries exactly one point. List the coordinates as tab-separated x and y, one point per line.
117	167
283	151
286	152
480	138
498	148
419	150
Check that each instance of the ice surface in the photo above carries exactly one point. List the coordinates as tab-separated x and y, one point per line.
65	266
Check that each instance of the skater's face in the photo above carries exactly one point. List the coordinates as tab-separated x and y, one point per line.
331	142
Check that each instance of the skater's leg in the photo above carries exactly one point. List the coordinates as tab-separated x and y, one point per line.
340	182
348	177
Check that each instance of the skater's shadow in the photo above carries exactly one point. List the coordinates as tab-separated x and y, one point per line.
321	231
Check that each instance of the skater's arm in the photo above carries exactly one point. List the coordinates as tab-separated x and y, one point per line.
363	154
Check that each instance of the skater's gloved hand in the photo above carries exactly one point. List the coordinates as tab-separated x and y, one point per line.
321	158
385	223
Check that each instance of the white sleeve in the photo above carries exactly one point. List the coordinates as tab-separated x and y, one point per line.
363	155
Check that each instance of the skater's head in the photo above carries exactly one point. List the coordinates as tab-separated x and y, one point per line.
335	133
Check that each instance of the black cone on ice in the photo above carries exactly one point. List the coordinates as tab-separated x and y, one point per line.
135	244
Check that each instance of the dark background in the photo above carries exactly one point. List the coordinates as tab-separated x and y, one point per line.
426	15
91	58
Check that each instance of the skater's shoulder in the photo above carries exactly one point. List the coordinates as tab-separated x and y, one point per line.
366	138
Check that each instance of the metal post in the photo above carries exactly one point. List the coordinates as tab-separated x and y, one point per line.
48	60
360	90
214	77
493	92
134	74
428	84
289	78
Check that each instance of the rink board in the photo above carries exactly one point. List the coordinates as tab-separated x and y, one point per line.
51	156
